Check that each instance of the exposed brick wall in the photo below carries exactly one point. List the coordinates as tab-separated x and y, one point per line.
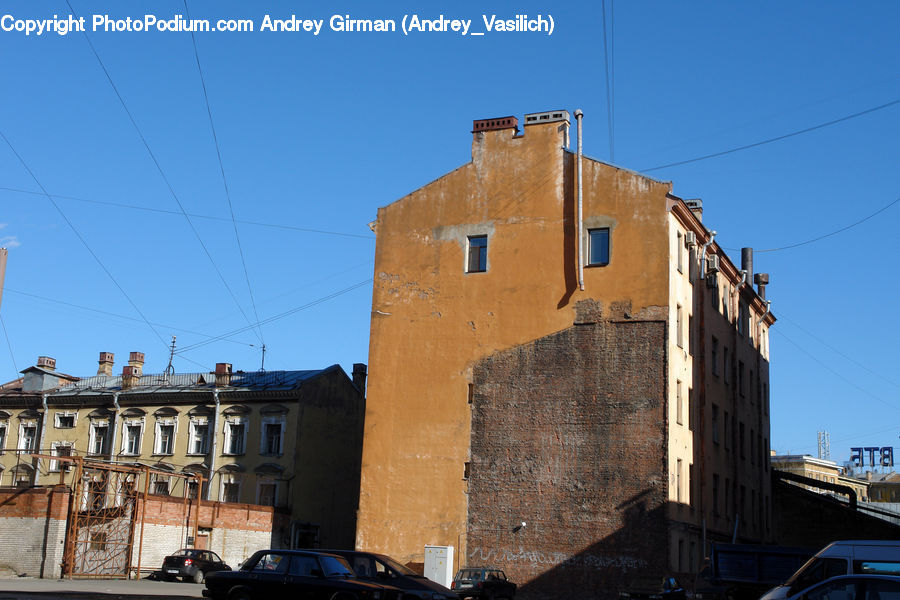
33	529
569	435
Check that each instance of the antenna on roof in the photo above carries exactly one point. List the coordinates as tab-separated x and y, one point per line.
170	370
262	366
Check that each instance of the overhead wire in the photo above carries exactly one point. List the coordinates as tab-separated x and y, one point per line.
827	235
195	215
609	118
835	373
212	127
775	139
117	315
8	344
277	317
82	240
159	167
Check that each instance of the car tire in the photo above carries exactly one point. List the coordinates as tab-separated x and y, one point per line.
198	577
239	595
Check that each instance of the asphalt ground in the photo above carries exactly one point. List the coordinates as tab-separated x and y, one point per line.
27	588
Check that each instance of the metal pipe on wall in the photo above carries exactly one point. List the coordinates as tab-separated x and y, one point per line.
578	116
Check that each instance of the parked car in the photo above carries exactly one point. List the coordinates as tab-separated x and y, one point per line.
272	574
382	569
192	564
841	558
852	587
484	583
653	588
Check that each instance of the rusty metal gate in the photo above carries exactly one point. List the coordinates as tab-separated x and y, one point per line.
104	538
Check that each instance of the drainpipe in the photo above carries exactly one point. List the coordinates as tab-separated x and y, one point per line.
40	448
712	236
114	428
578	116
212	446
765	314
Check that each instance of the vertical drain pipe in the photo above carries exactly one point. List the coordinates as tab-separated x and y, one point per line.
578	117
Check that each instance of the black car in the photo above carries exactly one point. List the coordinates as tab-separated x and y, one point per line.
484	583
653	588
191	564
382	569
272	574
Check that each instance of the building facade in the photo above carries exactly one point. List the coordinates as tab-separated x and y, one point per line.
569	385
287	439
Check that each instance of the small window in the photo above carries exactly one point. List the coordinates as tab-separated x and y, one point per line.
679	244
598	246
477	254
715	424
679	327
65	420
165	438
234	437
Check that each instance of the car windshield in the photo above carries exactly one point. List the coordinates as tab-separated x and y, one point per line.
188	552
473	575
333	566
393	564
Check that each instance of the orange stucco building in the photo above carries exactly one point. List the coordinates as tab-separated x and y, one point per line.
502	390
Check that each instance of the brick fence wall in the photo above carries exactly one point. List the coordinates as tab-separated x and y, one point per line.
34	521
569	436
33	530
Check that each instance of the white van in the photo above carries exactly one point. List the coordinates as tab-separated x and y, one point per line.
841	558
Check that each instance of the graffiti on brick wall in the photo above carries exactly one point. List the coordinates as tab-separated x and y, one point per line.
554	559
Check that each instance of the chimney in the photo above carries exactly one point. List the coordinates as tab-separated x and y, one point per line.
136	360
747	262
495	124
696	206
106	363
45	362
130	376
359	377
223	374
761	280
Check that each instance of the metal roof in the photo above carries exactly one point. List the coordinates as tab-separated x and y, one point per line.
191	382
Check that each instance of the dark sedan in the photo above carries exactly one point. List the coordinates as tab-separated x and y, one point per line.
483	583
191	564
382	569
272	574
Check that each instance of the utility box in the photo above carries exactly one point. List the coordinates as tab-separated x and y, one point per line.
439	564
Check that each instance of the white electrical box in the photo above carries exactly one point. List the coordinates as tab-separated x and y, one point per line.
439	564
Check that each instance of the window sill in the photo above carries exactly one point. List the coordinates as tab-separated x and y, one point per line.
233	453
272	454
594	265
163	454
196	453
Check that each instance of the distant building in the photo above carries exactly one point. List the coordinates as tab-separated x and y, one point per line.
820	469
288	439
574	435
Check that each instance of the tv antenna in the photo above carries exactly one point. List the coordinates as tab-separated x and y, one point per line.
170	370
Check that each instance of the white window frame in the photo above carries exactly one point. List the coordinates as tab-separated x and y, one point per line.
59	414
230	423
274	420
34	440
55	465
267	481
4	427
157	440
197	422
126	426
92	442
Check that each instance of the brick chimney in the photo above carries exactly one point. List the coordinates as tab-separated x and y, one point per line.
136	359
45	362
130	376
359	377
223	374
106	363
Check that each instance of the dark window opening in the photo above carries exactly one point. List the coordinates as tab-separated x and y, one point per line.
477	254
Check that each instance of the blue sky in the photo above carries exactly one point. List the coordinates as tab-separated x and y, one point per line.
317	132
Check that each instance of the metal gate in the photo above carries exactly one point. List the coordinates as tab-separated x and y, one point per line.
107	510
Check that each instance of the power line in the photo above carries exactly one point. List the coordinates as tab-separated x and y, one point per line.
835	373
81	239
278	316
842	229
224	179
775	139
159	167
195	215
609	118
9	345
118	316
